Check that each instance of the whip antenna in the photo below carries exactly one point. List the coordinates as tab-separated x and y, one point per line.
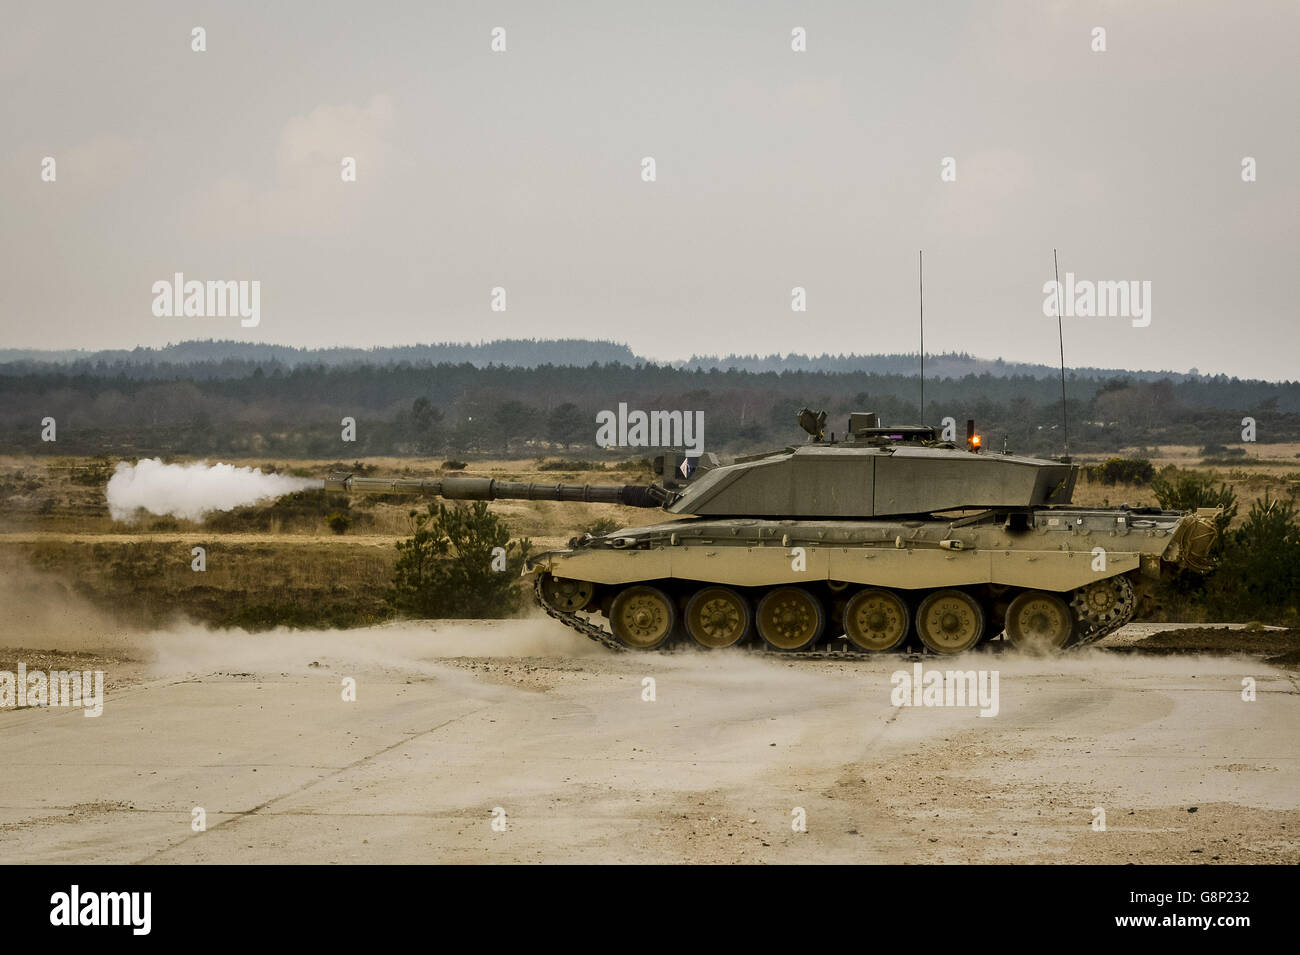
920	278
1060	337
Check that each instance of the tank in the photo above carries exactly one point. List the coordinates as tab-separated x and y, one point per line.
884	538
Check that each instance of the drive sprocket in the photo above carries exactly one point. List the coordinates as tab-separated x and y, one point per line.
1102	608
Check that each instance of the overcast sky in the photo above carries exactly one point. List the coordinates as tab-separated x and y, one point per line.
775	169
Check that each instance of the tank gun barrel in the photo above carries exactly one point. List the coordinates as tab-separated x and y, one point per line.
489	489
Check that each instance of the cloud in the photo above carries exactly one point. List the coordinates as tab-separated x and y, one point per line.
329	132
307	195
991	188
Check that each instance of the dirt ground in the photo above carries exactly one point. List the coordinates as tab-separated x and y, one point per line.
456	725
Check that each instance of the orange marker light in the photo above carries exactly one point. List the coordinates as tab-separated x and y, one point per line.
975	442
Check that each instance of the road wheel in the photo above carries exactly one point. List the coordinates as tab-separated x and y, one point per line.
566	595
1038	621
790	618
718	617
876	620
950	621
642	618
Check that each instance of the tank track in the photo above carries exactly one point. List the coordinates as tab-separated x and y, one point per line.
1100	617
571	619
1097	624
606	639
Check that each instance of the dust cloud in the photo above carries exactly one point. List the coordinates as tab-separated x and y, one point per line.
42	612
412	647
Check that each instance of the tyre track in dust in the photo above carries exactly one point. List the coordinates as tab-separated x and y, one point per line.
298	790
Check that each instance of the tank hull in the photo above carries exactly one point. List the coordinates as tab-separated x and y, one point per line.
1087	558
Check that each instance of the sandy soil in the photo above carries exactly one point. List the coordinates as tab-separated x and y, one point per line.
453	721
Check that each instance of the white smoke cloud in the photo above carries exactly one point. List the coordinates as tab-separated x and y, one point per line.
191	490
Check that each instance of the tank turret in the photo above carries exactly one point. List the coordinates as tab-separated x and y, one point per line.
873	472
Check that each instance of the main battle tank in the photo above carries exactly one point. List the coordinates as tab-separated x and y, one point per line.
884	535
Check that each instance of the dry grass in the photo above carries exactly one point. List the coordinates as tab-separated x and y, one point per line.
151	583
1267	469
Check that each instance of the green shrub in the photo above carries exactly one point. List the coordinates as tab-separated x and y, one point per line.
1187	492
1265	552
339	522
633	464
301	509
454	465
559	464
602	526
448	567
1121	471
94	473
1236	459
1259	572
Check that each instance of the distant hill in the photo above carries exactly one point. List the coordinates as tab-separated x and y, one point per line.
220	359
948	365
514	352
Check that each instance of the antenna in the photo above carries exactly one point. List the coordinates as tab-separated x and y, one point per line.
1060	336
920	278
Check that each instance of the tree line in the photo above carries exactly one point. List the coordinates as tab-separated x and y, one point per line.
465	409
